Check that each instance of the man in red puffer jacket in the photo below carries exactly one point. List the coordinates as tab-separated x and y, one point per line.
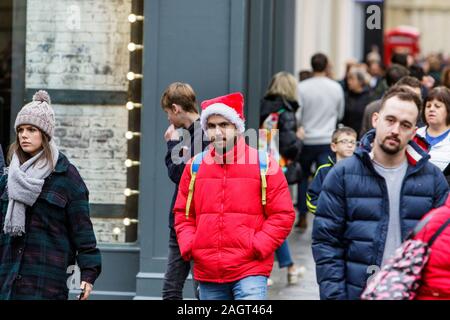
436	274
223	225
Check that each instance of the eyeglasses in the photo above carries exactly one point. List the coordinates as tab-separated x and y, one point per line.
346	141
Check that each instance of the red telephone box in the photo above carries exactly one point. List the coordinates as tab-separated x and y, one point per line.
403	39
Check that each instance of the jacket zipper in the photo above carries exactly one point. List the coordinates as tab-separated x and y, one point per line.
224	182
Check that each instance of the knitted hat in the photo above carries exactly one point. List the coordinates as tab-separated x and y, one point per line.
230	107
38	113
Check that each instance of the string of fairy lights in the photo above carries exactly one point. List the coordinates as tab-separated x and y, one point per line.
132	106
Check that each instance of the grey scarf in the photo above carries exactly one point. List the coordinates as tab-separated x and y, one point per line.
25	184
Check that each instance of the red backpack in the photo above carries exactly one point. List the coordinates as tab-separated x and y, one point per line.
400	277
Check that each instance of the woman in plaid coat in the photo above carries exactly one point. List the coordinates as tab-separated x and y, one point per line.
44	214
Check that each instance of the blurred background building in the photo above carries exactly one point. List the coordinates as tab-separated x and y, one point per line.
430	17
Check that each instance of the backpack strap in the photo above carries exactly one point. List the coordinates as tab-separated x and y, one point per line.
438	232
263	164
282	110
195	166
422	223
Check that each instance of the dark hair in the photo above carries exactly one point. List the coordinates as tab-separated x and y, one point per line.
319	62
417	72
342	130
15	148
400	58
181	94
403	94
441	94
304	74
394	73
445	77
409	81
434	62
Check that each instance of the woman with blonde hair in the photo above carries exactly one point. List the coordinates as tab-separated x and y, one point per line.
281	98
280	102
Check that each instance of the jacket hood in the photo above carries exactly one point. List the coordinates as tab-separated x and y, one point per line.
272	104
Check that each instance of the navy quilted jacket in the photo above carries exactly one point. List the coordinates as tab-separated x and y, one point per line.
351	221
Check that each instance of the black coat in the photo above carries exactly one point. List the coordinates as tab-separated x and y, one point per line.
2	161
59	233
355	104
290	145
175	170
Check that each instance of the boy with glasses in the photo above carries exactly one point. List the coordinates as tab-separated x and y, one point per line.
343	145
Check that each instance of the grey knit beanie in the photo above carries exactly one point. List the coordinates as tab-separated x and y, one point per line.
38	113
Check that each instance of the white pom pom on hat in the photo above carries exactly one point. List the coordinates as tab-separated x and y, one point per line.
38	113
42	96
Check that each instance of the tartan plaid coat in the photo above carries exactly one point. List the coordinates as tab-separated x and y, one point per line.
58	233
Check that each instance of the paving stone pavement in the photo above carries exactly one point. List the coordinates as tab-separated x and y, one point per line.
306	288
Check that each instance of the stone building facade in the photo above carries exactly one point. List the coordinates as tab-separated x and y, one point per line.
81	49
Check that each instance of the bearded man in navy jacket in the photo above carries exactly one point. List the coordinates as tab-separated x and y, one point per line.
371	201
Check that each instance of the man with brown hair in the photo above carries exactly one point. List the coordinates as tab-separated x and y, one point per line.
372	200
180	104
322	108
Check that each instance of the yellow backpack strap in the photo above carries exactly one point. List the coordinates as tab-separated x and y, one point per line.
195	166
263	163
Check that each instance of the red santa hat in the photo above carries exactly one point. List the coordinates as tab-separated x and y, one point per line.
230	107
